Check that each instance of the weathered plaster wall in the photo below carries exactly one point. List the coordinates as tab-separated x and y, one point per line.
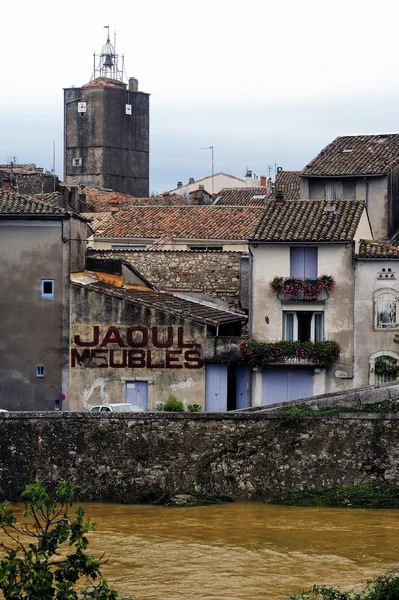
377	206
102	378
368	338
209	273
271	260
32	327
125	458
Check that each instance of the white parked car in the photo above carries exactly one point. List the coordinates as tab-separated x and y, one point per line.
123	407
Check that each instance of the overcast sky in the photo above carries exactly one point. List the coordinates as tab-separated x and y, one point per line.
264	82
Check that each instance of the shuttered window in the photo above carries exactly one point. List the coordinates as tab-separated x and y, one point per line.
303	262
303	326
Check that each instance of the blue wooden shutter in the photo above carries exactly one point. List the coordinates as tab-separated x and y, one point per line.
288	326
303	262
310	261
318	322
297	262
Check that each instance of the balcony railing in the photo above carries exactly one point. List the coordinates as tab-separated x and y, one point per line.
295	289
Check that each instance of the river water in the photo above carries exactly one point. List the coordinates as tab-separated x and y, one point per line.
240	551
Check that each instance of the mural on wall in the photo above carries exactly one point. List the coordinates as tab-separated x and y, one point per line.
135	348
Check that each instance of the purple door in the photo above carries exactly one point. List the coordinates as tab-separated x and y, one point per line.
283	384
216	388
137	393
243	375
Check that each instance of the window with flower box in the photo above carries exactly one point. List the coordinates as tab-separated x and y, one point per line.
303	326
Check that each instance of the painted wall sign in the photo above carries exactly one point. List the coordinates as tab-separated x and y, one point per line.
136	348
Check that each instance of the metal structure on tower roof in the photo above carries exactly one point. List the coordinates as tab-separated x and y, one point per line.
108	64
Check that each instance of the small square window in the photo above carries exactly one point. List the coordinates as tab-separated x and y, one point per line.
47	288
40	371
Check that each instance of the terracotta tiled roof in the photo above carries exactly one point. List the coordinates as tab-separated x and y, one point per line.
16	204
371	249
356	155
254	196
169	303
309	220
179	222
54	198
101	199
103	83
288	183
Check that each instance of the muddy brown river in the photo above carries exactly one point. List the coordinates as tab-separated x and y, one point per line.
242	551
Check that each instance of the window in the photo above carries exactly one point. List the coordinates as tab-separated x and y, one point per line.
303	326
334	190
383	367
385	309
40	371
48	288
206	247
303	262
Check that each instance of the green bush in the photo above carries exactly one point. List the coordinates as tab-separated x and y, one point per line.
172	404
45	556
385	587
194	408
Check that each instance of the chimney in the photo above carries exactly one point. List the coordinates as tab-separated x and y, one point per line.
179	184
133	84
248	178
262	181
269	185
166	198
279	198
74	198
201	187
191	180
114	207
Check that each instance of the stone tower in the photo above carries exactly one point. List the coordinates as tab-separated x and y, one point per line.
106	129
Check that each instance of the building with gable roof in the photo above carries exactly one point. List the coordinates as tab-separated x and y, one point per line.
359	167
298	242
377	313
40	245
181	227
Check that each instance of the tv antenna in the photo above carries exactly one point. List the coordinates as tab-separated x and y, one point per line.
213	164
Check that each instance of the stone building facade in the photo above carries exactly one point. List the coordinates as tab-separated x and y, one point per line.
210	275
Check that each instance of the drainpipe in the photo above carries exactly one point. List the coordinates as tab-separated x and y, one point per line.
367	192
251	273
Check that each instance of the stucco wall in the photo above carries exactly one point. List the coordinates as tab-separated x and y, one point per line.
102	377
271	260
123	458
377	206
32	327
369	339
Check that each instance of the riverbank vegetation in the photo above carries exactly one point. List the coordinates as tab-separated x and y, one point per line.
294	412
385	587
44	557
371	494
